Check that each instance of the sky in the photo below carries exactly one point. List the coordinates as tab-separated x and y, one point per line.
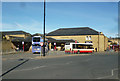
28	16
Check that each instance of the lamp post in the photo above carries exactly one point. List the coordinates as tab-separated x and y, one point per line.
44	32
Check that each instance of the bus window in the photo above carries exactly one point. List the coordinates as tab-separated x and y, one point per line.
77	46
89	47
80	46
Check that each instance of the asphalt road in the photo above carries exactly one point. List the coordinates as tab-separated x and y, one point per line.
102	65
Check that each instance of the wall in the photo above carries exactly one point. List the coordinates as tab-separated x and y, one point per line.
106	42
7	47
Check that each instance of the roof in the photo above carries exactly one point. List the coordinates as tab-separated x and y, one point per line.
73	31
13	32
18	39
21	39
37	34
115	38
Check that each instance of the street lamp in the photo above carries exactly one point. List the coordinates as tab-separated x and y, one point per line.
44	32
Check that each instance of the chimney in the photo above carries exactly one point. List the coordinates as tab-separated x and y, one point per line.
101	33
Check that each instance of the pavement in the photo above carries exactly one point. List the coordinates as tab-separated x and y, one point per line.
29	55
57	65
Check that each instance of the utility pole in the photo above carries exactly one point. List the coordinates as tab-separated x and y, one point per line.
44	32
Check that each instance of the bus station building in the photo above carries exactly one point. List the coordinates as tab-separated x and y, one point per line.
80	35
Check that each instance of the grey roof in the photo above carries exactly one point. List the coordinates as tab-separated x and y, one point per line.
18	39
73	31
21	39
13	32
115	38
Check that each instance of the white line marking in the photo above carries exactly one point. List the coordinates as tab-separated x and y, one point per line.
31	68
69	62
112	74
114	70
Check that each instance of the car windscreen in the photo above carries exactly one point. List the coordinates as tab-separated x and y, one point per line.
36	39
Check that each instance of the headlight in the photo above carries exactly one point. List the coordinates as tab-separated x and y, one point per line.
38	48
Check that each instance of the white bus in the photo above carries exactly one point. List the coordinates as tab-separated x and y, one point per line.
79	48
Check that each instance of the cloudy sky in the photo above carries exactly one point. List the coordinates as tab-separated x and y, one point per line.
28	16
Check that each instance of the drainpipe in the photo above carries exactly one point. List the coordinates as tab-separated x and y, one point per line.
98	42
104	42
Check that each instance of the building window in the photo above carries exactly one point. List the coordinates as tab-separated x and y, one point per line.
90	38
86	37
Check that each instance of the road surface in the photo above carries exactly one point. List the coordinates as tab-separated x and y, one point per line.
102	65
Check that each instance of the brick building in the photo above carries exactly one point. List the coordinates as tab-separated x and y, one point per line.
81	35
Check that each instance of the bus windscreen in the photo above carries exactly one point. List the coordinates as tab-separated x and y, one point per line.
36	39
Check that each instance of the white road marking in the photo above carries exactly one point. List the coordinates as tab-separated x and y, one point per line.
103	77
31	68
112	74
114	70
69	62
